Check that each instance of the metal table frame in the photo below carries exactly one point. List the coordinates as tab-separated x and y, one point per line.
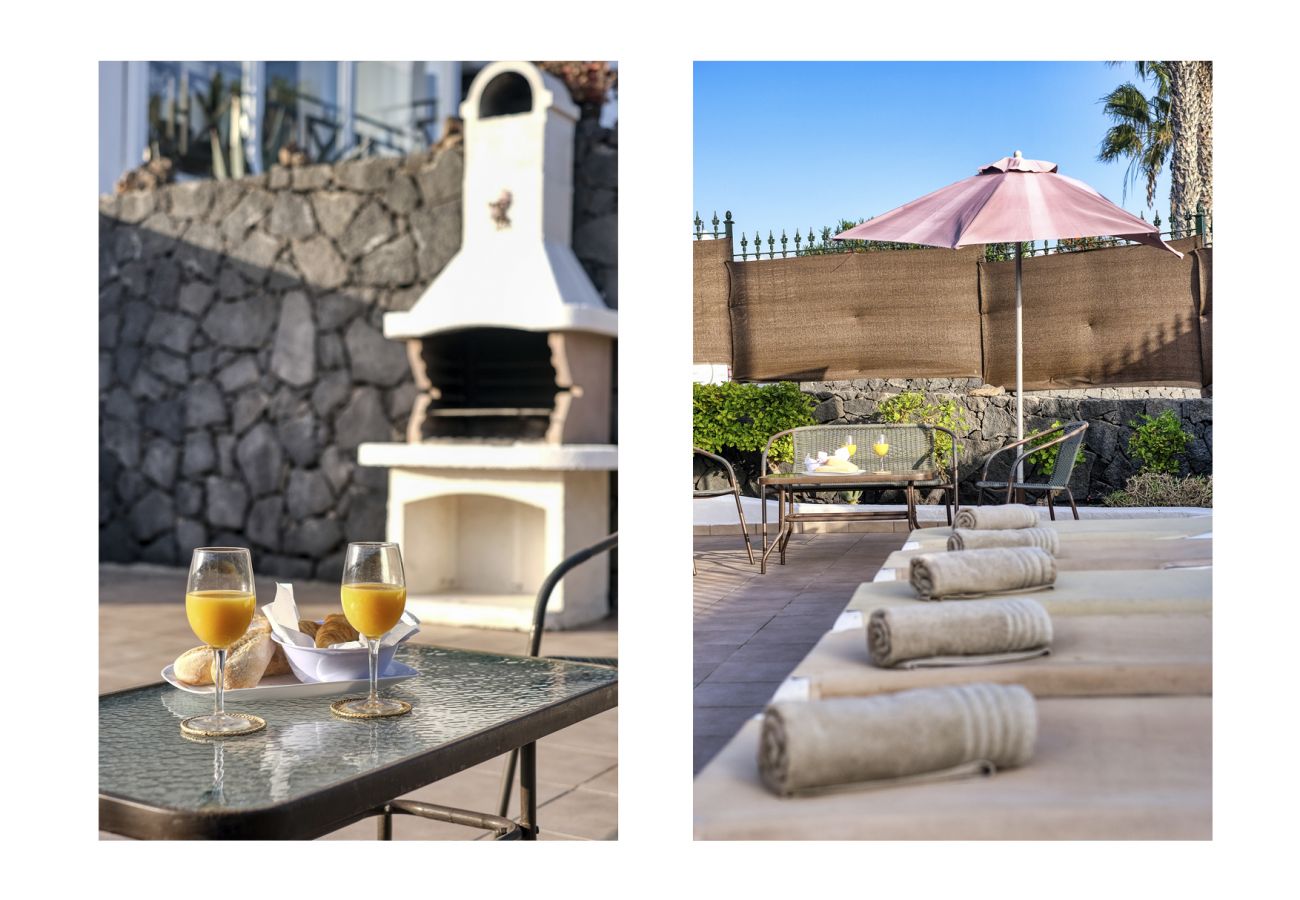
374	793
787	485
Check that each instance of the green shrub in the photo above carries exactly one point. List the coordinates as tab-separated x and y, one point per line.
911	408
1045	460
1163	489
1159	442
743	416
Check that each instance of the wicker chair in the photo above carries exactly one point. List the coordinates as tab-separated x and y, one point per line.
1069	437
733	489
911	447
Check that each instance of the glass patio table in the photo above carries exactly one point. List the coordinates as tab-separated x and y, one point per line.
786	485
309	773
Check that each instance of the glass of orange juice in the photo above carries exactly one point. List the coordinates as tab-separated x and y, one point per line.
219	602
374	595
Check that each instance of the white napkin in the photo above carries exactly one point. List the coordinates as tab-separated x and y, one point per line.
283	615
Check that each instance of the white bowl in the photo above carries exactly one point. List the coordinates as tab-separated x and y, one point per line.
323	664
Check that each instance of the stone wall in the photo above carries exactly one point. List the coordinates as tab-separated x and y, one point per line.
991	413
242	358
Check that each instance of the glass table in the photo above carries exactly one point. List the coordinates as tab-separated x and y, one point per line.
309	773
786	485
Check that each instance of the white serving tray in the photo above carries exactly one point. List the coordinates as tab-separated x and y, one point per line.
287	687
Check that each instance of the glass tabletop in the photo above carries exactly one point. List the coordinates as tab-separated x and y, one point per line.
468	707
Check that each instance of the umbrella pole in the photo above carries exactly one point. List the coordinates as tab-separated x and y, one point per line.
1020	373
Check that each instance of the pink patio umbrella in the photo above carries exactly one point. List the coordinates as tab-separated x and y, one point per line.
1011	200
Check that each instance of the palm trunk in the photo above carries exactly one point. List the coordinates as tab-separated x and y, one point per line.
1185	168
1205	135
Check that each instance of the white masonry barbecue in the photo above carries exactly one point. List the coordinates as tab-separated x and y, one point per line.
505	471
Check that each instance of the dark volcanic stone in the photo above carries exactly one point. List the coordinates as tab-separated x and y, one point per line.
264	521
362	419
260	459
199	457
313	537
308	494
152	515
375	359
227	502
204	405
293	358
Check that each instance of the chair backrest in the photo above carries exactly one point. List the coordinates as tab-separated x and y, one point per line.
911	447
1069	449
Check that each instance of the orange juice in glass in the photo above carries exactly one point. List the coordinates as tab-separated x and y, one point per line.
373	608
219	601
219	618
373	592
881	449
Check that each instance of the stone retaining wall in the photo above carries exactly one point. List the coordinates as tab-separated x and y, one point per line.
991	413
242	357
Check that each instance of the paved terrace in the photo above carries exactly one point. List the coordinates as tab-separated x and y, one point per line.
142	628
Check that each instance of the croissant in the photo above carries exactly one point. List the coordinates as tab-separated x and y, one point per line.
335	630
308	627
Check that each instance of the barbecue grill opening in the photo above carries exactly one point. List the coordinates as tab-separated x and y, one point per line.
507	94
488	383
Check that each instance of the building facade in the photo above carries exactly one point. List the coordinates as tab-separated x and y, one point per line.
226	119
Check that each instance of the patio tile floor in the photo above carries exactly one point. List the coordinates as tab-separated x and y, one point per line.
142	627
751	629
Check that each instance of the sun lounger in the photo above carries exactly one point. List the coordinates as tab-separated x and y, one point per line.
1104	768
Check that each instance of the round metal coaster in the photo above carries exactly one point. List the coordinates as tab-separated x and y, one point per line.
257	722
337	708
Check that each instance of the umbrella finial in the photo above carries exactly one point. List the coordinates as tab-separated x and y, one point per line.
1018	155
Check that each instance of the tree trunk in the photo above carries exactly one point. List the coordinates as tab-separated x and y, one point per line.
1184	187
1205	135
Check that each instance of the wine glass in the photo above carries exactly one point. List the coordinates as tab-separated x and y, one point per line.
881	449
374	594
219	602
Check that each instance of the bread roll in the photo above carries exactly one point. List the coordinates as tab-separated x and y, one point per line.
194	666
246	659
335	630
279	664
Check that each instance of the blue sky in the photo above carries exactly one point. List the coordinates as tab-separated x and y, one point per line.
798	145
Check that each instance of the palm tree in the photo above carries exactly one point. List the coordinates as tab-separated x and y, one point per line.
1142	132
1190	85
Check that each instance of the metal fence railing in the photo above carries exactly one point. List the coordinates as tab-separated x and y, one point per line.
757	246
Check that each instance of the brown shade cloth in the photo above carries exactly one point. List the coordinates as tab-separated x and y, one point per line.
895	314
1124	315
712	321
1203	266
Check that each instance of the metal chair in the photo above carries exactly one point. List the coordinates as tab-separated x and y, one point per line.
526	756
733	489
1067	444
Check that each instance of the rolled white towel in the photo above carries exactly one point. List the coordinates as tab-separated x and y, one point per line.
975	572
900	634
831	743
1010	515
973	539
